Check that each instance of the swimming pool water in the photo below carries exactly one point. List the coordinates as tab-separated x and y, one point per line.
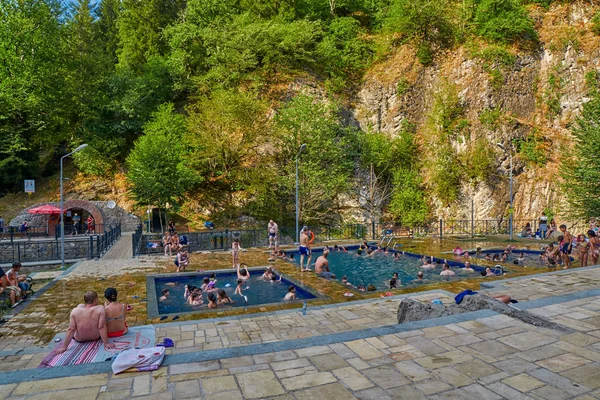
259	292
378	268
531	258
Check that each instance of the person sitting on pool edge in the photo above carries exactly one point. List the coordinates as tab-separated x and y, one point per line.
116	312
291	294
446	271
322	266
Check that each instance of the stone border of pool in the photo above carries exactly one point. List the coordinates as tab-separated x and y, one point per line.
152	301
501	282
291	344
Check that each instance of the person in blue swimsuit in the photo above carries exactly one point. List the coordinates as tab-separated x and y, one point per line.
304	249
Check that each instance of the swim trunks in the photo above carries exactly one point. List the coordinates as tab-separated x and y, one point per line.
326	275
566	248
304	251
272	234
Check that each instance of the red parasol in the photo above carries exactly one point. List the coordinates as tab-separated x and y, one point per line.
47	209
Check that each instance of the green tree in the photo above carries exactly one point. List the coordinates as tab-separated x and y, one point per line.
107	13
326	166
157	167
503	21
581	168
409	200
427	22
31	88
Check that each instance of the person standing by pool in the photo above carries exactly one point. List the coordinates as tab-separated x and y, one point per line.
322	266
273	230
304	249
543	226
594	246
583	247
566	245
235	252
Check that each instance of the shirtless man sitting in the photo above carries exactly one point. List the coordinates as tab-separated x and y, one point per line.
322	266
88	323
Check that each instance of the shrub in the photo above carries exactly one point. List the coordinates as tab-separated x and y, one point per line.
504	21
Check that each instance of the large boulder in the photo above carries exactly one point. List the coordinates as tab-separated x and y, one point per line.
411	310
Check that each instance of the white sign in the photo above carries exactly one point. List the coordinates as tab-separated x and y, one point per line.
29	186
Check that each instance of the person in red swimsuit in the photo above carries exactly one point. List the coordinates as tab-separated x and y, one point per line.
116	312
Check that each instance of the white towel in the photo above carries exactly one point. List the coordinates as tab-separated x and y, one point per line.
148	359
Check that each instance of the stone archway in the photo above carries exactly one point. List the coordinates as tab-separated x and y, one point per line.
88	206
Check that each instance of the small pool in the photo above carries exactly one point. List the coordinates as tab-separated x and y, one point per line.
259	292
378	268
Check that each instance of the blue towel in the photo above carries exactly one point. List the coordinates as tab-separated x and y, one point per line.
459	297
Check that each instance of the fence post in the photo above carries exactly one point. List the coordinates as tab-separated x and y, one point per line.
91	252
98	244
441	228
472	218
373	229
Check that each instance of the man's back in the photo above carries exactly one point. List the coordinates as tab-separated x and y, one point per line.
321	264
303	239
87	322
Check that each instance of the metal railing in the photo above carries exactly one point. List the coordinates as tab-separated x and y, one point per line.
136	241
76	248
15	232
80	229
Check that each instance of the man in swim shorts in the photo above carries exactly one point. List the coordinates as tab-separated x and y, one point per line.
273	230
304	249
322	266
88	323
566	245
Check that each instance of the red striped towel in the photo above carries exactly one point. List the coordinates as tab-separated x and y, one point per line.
77	353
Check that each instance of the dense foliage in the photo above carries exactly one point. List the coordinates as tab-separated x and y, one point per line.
194	98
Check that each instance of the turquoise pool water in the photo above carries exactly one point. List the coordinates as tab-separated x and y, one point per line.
530	258
378	268
259	291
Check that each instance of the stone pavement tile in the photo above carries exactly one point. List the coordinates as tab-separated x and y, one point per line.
527	340
304	381
426	346
364	349
74	382
158	396
75	394
580	339
385	376
549	392
453	377
476	369
392	341
118	384
327	362
141	385
475	327
559	381
358	363
375	393
515	365
476	391
437	332
506	391
523	382
413	371
352	379
193	367
187	389
197	375
432	386
378	344
273	357
588	375
541	353
288	373
237	362
405	393
581	351
493	378
159	380
234	395
115	395
493	348
313	351
444	359
342	350
297	363
5	390
259	384
461	340
219	384
330	391
563	362
455	394
384	360
248	368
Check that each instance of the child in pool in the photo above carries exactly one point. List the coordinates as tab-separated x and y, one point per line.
274	279
212	300
243	273
291	294
268	273
165	294
195	298
239	288
205	283
223	298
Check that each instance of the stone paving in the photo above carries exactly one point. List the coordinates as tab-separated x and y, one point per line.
486	358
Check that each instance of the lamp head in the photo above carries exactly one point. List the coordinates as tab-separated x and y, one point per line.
83	146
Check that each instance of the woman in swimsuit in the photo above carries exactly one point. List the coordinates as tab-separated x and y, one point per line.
115	314
594	246
584	247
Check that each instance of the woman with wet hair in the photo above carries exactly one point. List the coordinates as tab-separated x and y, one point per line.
116	313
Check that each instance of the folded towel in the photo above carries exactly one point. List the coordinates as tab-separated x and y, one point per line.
459	297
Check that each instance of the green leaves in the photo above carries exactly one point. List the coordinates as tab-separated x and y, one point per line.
504	21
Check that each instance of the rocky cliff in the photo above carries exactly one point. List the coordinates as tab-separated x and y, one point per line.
506	95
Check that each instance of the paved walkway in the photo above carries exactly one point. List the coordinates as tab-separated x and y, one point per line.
122	249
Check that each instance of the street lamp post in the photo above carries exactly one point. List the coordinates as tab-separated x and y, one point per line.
62	206
297	206
510	175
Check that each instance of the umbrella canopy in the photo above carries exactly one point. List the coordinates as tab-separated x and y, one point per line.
47	209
